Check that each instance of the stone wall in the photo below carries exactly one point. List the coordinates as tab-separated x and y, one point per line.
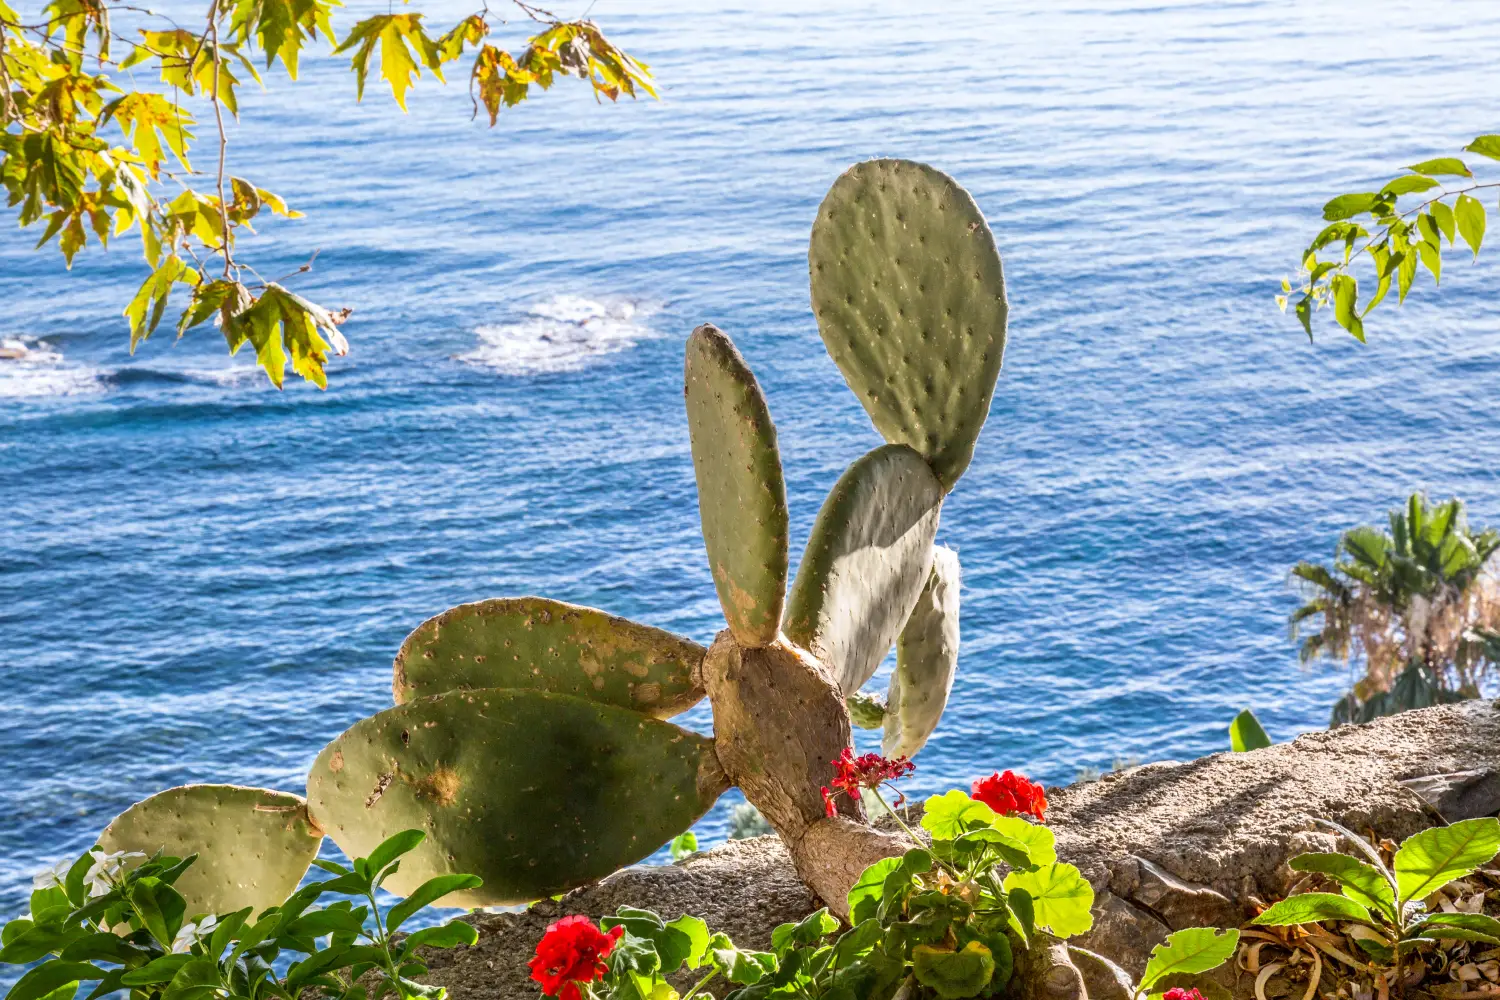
1166	846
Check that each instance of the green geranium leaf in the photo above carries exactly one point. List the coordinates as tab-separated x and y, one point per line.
737	965
1429	860
696	932
810	930
1361	882
953	975
1312	908
952	814
1040	842
1060	898
1013	852
1196	949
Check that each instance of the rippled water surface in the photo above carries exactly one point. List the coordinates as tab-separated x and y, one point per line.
202	579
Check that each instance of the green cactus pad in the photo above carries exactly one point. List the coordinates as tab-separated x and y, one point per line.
532	791
926	660
532	642
253	845
741	494
865	710
866	563
910	299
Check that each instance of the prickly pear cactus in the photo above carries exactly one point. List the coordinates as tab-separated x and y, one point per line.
532	791
533	642
909	295
865	710
926	660
865	563
741	494
253	845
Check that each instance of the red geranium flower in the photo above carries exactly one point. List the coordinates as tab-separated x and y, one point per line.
851	773
571	952
1178	993
1011	793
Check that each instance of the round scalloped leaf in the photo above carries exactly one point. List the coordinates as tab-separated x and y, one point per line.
866	563
741	493
909	294
533	642
253	844
534	792
926	660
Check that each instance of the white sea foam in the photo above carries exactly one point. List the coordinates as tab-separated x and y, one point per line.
41	370
559	334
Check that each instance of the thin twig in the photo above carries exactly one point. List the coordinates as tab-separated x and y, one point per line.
213	32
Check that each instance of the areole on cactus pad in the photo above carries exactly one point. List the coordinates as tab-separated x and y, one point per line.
527	742
533	642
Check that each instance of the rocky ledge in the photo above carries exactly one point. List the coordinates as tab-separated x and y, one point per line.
1166	846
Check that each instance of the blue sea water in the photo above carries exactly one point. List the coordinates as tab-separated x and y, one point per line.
204	579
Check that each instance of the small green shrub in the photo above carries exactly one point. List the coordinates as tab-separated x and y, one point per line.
124	927
1388	899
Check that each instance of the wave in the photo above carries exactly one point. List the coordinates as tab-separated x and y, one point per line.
32	368
142	376
560	334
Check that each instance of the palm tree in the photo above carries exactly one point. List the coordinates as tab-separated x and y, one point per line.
1418	608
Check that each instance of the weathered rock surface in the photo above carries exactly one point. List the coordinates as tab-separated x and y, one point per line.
744	888
1165	846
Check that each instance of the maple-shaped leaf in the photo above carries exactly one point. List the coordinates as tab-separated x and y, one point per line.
404	48
281	323
470	31
281	27
497	80
148	121
146	308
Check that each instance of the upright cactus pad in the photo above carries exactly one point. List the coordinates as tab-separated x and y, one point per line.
253	845
910	300
866	563
926	660
531	642
741	494
532	791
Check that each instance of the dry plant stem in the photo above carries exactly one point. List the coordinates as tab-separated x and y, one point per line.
779	723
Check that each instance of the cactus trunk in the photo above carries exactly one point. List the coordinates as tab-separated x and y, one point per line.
779	722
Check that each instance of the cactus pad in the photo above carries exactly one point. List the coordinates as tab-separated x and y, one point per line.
926	660
910	299
741	493
532	791
253	845
866	563
531	642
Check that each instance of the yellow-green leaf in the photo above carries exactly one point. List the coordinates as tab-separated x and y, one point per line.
1469	214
